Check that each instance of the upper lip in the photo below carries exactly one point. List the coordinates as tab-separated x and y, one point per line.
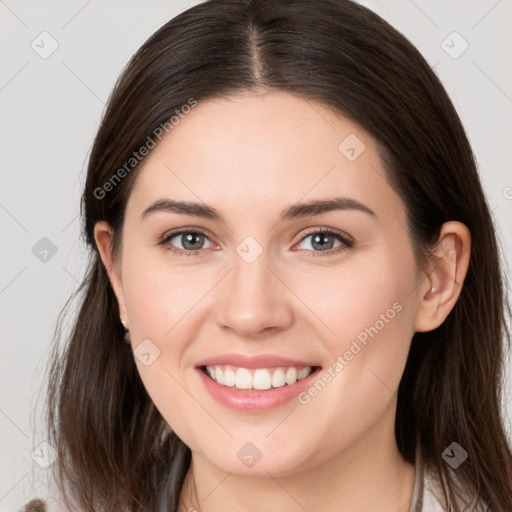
254	362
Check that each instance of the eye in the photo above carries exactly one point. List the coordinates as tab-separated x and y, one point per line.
191	240
324	239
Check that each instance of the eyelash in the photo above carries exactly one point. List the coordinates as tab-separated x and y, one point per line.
347	242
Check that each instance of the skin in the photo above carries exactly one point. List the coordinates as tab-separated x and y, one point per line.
250	157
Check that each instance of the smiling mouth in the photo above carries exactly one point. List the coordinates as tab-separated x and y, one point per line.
257	379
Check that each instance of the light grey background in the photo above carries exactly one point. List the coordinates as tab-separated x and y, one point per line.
50	110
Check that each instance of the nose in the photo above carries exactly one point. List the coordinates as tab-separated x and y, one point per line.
255	300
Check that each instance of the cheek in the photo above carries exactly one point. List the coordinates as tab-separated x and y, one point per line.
159	293
370	318
357	299
367	315
161	300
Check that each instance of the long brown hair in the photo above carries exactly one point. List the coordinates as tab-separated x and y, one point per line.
115	449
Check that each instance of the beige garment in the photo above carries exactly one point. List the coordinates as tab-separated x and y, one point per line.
428	492
427	495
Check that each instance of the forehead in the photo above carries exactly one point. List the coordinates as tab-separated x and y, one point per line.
251	151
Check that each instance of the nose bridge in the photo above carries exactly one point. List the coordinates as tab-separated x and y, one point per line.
254	298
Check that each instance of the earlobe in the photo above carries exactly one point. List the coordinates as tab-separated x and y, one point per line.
103	237
448	267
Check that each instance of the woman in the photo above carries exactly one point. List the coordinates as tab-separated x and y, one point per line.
294	298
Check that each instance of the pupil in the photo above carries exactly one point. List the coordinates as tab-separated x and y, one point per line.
318	237
189	238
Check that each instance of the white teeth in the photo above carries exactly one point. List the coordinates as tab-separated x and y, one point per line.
303	373
260	379
243	378
291	376
229	377
278	378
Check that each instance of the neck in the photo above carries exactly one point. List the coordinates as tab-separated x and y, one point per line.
368	475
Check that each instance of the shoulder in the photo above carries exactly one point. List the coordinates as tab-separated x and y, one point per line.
46	495
35	505
428	495
43	505
433	496
49	499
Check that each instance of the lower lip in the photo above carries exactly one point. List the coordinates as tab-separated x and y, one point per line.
255	400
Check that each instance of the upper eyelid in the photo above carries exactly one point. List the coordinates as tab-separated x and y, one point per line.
338	232
178	231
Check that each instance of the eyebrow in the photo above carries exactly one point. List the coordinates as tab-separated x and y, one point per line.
295	211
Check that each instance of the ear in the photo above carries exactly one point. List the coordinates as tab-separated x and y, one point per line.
447	270
103	237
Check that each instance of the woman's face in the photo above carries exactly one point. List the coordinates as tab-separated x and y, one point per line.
253	280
